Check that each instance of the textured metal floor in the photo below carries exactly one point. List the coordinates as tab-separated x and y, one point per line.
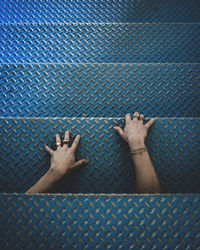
173	145
112	90
100	11
99	43
99	59
99	221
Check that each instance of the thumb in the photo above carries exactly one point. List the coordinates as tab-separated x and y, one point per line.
120	131
48	149
150	123
80	162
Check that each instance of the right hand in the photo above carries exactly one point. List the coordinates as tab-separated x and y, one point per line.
135	132
63	158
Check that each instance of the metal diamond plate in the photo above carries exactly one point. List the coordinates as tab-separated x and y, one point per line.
96	43
99	221
100	11
173	146
109	90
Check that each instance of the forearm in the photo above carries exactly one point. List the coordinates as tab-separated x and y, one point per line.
46	182
146	177
135	133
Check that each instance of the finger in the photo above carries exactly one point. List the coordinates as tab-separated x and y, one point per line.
58	141
127	118
49	150
150	123
141	118
66	139
120	131
136	115
75	143
80	162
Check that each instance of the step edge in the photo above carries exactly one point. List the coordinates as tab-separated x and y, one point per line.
102	63
98	194
94	23
90	118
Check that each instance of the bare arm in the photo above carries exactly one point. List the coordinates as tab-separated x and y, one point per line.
146	177
46	182
62	162
135	133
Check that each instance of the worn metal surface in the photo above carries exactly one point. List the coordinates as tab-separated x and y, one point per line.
106	90
97	43
173	146
100	11
99	221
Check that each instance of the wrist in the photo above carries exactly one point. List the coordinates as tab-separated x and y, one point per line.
136	145
54	173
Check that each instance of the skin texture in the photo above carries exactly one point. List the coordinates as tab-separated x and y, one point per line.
62	162
135	133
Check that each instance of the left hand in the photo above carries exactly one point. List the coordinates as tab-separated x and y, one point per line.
63	158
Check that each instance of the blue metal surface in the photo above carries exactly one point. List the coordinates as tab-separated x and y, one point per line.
55	32
100	11
97	43
112	90
99	221
173	146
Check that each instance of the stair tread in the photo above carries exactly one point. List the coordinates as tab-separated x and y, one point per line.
106	90
100	221
173	146
61	61
86	42
100	11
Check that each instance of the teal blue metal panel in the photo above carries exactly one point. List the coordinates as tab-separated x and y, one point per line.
100	11
100	43
106	90
173	146
99	221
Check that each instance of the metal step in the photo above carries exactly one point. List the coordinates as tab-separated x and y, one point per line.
173	146
99	221
100	11
106	90
97	43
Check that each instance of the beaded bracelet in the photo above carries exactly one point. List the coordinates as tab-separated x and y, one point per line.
138	151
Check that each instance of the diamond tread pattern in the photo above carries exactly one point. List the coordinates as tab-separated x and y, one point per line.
106	90
100	11
100	43
99	221
173	146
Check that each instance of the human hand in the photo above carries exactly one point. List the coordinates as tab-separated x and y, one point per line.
63	158
135	132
